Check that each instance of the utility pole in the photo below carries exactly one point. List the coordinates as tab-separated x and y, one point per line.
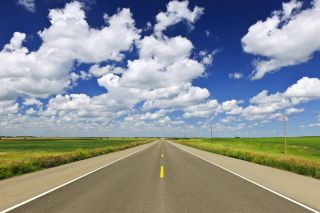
285	133
211	135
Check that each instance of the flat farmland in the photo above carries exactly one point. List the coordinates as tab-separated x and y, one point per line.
303	153
23	155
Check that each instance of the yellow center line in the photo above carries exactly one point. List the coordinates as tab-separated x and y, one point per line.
161	172
162	155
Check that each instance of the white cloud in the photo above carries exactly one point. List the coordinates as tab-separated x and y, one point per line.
264	98
207	57
32	101
30	111
271	106
177	11
68	39
99	71
314	125
231	107
294	110
160	114
308	88
165	50
150	121
191	96
87	4
154	78
204	110
289	36
82	75
161	77
28	5
154	90
228	119
235	75
69	30
8	107
266	107
81	107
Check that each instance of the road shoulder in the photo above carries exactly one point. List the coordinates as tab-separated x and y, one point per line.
21	188
297	187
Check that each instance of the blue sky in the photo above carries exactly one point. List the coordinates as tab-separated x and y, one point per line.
160	68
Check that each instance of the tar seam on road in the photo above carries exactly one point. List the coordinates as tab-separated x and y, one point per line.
71	181
251	181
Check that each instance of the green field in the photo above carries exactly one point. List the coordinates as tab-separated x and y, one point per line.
303	155
23	155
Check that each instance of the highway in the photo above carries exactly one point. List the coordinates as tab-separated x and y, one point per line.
160	178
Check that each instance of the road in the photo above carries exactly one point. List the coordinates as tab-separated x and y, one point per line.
138	184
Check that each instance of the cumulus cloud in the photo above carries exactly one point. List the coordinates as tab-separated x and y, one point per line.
207	57
161	77
8	107
147	116
314	125
140	92
191	96
231	107
165	50
150	121
305	88
143	92
32	101
229	119
99	71
67	40
205	110
28	5
265	106
293	110
235	75
177	11
290	36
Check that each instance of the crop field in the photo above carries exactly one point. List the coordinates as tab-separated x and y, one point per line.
23	155
303	153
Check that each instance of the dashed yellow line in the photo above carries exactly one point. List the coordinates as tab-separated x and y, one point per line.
161	172
161	155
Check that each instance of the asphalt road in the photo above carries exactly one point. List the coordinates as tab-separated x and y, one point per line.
137	184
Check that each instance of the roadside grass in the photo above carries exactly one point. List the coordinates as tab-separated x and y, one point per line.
19	156
303	152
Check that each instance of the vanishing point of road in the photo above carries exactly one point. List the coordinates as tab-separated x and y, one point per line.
160	178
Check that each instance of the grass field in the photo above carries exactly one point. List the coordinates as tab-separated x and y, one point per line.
303	152
23	155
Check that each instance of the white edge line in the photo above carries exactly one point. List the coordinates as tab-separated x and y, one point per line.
251	181
71	181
